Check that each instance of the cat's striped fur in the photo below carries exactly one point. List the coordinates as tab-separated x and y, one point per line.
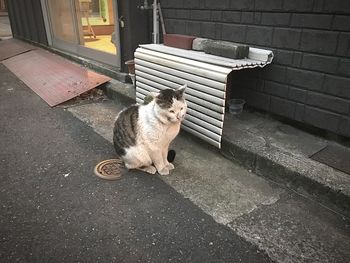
125	129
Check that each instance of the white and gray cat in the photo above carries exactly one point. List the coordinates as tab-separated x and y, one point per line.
142	133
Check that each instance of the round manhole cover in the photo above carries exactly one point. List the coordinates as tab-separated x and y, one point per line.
109	169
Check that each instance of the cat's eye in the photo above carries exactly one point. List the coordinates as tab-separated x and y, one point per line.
181	108
171	111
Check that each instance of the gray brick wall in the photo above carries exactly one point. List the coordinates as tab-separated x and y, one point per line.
309	80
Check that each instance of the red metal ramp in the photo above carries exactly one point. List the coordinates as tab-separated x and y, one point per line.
13	47
53	78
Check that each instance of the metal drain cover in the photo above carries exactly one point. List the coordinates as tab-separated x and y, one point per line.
109	169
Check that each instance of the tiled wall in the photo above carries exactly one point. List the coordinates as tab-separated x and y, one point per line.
309	80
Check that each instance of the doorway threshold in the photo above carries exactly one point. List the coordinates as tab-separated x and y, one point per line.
108	70
105	69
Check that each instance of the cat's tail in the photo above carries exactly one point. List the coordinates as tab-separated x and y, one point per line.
171	156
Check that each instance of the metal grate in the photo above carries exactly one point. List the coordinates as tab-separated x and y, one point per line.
160	67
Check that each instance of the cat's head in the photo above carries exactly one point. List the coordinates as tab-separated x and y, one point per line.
171	104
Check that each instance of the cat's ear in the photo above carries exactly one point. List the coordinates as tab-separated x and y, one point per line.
180	91
154	94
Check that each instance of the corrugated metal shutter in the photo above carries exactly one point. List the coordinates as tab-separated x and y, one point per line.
159	67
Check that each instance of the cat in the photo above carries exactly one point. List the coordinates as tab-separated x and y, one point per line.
142	133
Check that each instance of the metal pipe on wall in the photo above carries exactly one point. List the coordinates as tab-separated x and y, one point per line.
155	23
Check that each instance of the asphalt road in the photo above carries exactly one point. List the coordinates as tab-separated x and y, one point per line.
53	208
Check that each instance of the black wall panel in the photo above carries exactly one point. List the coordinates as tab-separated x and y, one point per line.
26	20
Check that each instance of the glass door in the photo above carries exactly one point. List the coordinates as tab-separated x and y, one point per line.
86	27
62	25
97	30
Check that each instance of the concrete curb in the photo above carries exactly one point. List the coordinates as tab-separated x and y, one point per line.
283	174
119	91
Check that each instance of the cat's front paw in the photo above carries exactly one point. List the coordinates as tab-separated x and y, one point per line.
150	169
164	171
170	166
